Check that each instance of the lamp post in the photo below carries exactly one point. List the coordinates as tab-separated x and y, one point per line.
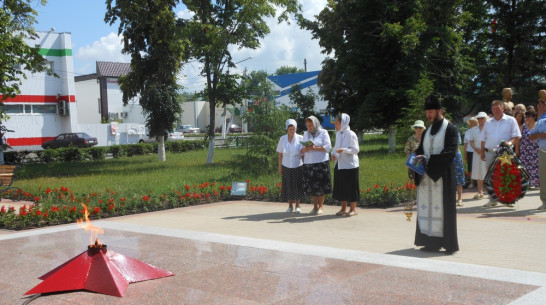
224	123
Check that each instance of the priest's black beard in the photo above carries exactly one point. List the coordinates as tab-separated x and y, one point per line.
436	124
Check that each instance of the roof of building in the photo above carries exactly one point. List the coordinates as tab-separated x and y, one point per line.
112	69
85	77
287	80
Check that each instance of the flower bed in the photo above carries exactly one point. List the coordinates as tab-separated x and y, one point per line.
61	205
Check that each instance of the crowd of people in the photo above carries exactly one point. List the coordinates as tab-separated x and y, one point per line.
304	163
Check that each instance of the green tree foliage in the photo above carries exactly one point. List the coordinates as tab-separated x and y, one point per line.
372	46
217	25
288	70
517	48
152	35
267	121
305	103
16	20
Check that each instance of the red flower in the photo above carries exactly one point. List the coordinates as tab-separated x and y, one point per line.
187	187
376	186
3	209
48	190
146	198
100	201
54	209
111	206
96	209
38	213
12	209
73	209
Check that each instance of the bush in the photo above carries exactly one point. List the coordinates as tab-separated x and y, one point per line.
15	157
71	154
48	155
97	153
116	151
137	149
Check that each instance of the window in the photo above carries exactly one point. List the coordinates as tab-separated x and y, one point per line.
44	109
13	109
28	109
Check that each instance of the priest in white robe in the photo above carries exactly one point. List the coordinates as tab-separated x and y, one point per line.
436	188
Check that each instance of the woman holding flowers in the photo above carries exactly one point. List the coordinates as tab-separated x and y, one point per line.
316	167
345	155
291	167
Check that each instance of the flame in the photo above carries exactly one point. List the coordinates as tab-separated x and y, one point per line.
94	242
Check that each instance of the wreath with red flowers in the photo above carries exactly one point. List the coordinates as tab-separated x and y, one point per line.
507	182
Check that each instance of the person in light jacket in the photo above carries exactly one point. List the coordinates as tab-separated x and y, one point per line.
291	167
316	166
345	155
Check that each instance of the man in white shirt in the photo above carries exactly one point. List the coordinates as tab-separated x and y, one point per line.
500	127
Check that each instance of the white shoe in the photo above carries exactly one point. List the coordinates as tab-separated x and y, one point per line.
313	212
478	196
470	186
491	203
542	207
460	203
297	210
289	210
319	212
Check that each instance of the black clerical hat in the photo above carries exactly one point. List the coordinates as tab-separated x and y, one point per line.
432	102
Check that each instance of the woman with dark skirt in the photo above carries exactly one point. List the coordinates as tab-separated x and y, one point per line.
316	166
345	155
291	167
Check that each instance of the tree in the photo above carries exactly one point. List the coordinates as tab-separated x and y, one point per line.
288	70
268	122
517	48
217	25
152	35
16	20
305	103
381	52
373	59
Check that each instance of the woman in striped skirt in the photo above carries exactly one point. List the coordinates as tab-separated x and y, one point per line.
291	167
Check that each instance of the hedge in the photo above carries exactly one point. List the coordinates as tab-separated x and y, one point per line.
74	154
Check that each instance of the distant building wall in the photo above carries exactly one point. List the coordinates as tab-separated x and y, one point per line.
34	113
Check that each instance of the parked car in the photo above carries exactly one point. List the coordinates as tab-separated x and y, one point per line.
231	128
170	136
76	139
188	129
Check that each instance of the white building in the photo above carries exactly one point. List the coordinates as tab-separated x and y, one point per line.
100	97
47	104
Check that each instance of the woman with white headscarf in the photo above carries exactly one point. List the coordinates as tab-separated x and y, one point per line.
316	166
291	166
345	154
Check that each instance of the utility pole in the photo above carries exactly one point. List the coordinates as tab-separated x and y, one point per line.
305	64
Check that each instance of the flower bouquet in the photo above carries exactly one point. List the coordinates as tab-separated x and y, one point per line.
506	180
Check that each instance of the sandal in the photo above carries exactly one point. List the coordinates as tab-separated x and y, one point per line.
353	213
340	213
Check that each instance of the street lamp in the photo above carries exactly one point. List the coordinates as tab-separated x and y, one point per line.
224	124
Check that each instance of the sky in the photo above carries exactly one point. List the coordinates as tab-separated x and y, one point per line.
94	40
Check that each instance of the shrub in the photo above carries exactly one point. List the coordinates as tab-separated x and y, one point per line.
97	153
71	154
15	157
116	151
137	149
48	155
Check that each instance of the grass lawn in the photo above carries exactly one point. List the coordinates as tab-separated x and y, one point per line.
140	174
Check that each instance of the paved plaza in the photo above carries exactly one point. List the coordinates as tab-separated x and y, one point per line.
252	252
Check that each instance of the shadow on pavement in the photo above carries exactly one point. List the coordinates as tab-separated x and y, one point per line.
413	252
283	217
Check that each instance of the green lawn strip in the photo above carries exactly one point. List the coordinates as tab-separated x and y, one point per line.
138	184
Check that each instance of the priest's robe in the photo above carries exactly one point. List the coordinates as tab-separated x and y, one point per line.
438	166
